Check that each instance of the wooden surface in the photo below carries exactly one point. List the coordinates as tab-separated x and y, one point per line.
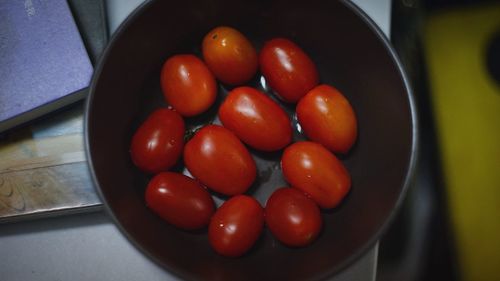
43	170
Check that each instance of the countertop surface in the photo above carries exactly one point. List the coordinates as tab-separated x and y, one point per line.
90	247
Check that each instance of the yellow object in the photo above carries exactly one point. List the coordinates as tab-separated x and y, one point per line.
466	105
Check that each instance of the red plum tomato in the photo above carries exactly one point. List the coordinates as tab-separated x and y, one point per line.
230	55
157	144
219	160
327	117
256	119
315	170
292	217
236	226
188	85
288	69
180	200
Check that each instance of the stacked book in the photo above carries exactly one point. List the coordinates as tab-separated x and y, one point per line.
48	50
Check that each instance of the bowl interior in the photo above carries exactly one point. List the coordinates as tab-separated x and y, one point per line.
349	54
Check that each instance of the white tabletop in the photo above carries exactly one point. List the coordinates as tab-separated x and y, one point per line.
378	10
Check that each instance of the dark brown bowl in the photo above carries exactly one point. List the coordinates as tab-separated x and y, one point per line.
351	54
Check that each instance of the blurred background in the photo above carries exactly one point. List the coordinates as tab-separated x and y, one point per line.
449	226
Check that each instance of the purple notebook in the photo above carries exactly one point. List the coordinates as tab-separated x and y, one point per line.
43	62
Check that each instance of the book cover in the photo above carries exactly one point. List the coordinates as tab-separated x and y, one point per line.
43	62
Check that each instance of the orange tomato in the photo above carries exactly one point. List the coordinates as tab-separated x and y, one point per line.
229	55
188	85
327	117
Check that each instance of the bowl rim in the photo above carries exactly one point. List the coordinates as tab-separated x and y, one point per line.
355	255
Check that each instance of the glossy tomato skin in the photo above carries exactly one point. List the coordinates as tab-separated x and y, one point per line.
292	217
256	119
287	69
312	168
327	117
236	226
230	55
188	85
180	200
157	144
219	160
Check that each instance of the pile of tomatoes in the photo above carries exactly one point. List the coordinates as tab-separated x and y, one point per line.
217	156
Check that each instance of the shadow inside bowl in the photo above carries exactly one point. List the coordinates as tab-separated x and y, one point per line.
349	53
